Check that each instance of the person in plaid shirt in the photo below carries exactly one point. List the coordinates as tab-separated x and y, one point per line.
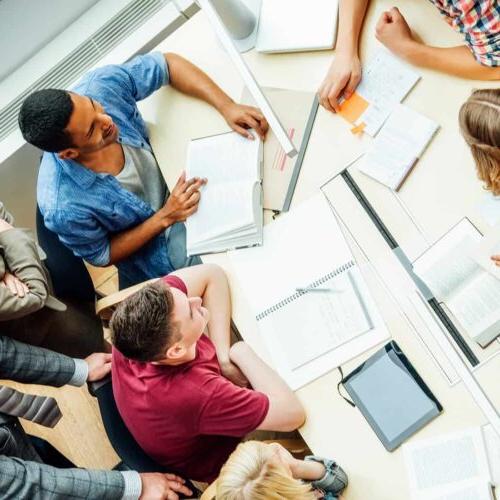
477	59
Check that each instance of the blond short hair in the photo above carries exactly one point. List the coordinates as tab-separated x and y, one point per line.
249	474
479	120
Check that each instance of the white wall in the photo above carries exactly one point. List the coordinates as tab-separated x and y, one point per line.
28	25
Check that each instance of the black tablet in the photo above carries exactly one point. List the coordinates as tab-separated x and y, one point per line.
392	397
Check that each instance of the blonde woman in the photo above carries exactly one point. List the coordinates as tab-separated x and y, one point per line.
260	471
480	126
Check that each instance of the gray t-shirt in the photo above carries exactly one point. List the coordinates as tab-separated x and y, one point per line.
141	175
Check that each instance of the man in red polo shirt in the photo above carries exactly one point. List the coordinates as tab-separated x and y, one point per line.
179	386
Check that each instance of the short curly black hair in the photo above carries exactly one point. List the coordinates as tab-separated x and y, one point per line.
142	327
43	117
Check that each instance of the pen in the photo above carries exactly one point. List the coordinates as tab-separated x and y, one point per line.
306	290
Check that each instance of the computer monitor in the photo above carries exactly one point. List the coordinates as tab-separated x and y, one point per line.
249	80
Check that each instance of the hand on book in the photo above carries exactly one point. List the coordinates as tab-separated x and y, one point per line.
241	118
183	200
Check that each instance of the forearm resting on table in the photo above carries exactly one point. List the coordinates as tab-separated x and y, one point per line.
191	80
130	241
351	16
285	410
457	61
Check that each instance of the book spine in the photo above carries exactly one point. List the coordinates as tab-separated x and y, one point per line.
291	298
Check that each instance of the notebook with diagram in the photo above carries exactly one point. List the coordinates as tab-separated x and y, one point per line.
230	211
307	293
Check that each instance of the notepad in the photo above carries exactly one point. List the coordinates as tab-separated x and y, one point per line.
470	293
398	146
449	467
295	25
308	334
385	82
230	211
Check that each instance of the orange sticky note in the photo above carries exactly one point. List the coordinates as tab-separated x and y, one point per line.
358	128
353	108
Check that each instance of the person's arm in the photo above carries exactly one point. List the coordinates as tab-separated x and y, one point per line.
191	80
209	282
182	202
344	74
285	410
393	31
27	480
23	284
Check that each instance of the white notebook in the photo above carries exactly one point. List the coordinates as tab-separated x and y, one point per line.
311	333
230	213
448	268
449	467
398	146
297	25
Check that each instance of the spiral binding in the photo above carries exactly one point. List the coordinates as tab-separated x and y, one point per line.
314	284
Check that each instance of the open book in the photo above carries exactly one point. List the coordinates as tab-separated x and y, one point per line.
230	211
398	146
470	293
449	467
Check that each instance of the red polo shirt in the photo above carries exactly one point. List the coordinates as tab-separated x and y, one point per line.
187	417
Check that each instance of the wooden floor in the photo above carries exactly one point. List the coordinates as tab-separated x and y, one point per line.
79	435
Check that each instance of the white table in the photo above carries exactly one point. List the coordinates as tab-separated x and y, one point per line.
446	176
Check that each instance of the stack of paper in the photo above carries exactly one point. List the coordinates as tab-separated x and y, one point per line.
230	211
398	146
385	82
450	467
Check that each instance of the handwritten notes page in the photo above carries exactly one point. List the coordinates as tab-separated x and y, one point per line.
386	81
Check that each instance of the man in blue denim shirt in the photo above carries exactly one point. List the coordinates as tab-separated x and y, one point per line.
99	185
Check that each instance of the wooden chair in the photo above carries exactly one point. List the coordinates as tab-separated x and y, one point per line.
297	447
106	305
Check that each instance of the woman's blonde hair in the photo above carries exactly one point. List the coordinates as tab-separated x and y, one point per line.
480	126
251	474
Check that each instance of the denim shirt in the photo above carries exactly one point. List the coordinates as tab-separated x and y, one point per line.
84	208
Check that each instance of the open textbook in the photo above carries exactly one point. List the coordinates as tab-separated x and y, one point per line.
454	466
311	303
297	111
386	81
230	211
398	146
470	293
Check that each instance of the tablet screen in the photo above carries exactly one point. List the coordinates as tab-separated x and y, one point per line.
392	397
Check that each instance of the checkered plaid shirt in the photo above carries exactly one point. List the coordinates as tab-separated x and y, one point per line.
479	21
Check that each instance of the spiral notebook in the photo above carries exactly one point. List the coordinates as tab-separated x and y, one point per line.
311	304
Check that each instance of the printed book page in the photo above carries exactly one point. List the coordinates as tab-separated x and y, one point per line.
438	465
489	245
397	147
386	81
447	266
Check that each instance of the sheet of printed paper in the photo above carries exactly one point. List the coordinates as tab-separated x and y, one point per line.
489	245
386	81
401	141
446	462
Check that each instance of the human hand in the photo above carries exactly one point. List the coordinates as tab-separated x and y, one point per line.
156	486
99	364
393	31
4	225
341	80
14	285
230	371
496	260
183	200
241	118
